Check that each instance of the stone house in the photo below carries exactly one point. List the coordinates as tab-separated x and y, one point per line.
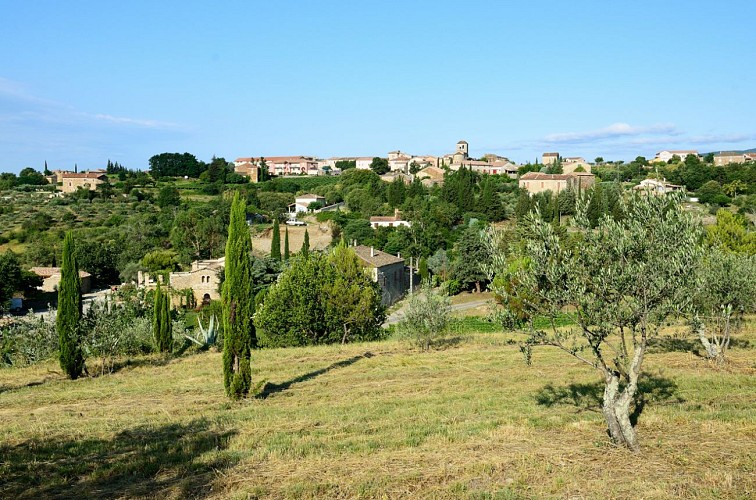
51	279
71	182
202	279
727	157
537	182
569	165
549	158
430	176
387	270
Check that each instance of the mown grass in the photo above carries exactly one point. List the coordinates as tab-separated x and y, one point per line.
379	420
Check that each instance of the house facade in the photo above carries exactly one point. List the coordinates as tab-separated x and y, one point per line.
549	158
387	270
537	182
51	279
391	221
655	186
666	155
302	202
202	279
70	182
571	164
728	157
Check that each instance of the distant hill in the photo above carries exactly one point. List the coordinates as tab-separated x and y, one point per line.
741	151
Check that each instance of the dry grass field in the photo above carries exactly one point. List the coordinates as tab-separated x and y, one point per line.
380	420
319	234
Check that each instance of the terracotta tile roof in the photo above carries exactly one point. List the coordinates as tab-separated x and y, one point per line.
87	175
377	258
550	154
538	176
46	272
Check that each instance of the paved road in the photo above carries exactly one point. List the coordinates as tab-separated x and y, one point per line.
398	315
87	299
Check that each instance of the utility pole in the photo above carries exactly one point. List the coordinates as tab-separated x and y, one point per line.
411	277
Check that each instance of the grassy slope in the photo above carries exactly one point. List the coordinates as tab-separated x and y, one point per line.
377	420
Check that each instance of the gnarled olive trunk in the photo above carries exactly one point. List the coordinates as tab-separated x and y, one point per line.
616	402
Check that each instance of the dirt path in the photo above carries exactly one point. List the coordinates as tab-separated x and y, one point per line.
398	315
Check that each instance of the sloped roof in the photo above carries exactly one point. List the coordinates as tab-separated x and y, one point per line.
46	272
377	259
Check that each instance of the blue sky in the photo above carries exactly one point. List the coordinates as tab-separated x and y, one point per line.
86	81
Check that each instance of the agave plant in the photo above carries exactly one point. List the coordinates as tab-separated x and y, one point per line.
208	336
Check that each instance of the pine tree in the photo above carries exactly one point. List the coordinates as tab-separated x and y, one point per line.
238	304
306	245
69	312
275	244
286	245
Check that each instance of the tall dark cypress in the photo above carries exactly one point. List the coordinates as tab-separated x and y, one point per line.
157	318
69	312
286	245
238	304
306	245
275	244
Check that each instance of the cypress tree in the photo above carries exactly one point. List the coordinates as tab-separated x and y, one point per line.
286	245
306	245
422	269
238	304
158	320
69	312
166	326
275	244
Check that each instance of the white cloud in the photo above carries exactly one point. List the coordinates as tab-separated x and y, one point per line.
612	131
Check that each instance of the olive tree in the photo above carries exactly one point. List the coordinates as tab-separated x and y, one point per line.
427	316
617	283
725	292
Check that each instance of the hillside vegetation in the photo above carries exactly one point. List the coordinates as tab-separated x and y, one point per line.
468	419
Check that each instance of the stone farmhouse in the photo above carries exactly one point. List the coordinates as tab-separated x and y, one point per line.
51	279
70	181
202	279
431	176
727	157
569	165
549	158
387	270
537	182
392	176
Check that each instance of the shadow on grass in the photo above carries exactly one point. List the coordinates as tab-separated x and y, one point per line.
144	461
8	388
269	389
671	344
588	397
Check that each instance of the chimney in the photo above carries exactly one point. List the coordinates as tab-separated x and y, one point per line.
397	215
372	252
399	254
